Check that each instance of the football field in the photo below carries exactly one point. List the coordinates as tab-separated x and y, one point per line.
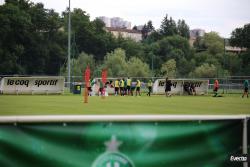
73	105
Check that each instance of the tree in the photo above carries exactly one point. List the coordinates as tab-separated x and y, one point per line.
103	41
183	29
144	32
245	67
199	44
132	48
174	47
233	64
168	27
135	28
31	42
79	65
137	68
201	57
147	29
150	26
169	68
241	37
154	36
116	63
205	71
210	42
80	29
91	37
184	67
15	25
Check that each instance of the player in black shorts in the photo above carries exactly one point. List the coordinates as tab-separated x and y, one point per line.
168	85
192	88
245	85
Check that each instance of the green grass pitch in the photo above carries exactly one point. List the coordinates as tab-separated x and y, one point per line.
73	104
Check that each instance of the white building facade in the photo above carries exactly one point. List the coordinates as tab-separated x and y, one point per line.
115	22
126	33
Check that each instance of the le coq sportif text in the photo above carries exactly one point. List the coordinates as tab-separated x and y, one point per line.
26	83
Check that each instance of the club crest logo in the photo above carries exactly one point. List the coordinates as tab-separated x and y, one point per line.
112	157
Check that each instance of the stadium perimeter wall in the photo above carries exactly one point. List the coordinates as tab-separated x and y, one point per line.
228	85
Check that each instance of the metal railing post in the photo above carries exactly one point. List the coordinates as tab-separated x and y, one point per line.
244	142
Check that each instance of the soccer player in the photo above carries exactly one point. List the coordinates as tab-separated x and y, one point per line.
122	87
216	88
168	85
116	87
245	91
186	87
101	88
91	83
129	86
150	84
138	87
192	88
125	86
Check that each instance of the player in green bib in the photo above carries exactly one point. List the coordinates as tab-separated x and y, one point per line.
245	86
138	87
122	87
116	87
128	86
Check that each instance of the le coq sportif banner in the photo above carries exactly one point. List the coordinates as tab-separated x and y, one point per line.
32	85
124	144
201	86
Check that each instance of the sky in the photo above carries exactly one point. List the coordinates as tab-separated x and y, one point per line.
221	16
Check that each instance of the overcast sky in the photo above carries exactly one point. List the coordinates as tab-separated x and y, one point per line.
221	16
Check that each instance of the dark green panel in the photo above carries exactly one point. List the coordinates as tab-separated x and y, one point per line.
124	144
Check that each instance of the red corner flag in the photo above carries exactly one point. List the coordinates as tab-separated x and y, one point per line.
87	84
104	79
87	76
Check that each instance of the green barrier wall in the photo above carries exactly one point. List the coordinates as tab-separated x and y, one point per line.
121	144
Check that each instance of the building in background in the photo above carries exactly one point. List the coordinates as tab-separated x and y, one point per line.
126	33
119	27
140	27
194	34
235	49
115	22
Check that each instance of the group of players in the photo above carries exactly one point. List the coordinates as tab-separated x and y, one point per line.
126	87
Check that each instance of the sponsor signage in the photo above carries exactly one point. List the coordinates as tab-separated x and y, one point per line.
32	85
201	86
